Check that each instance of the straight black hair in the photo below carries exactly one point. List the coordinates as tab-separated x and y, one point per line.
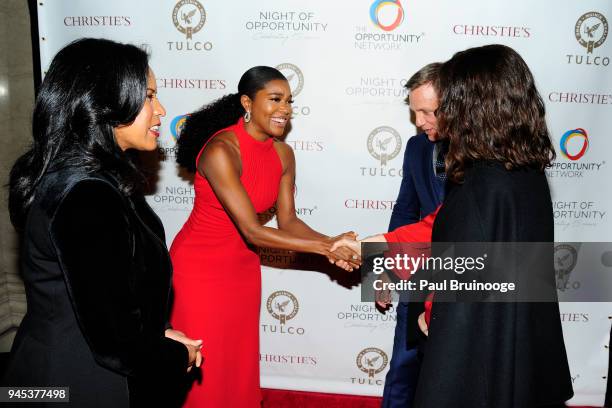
91	87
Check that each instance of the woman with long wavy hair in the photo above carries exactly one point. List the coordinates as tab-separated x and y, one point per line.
93	258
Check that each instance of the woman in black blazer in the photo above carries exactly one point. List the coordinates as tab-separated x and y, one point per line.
93	257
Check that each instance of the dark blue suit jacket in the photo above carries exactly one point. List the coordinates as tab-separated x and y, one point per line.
421	192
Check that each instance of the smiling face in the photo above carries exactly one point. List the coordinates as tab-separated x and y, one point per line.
142	134
270	109
424	102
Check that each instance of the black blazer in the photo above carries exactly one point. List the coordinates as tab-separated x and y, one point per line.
502	355
97	276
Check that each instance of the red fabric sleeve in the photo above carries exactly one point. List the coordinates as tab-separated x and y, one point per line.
417	232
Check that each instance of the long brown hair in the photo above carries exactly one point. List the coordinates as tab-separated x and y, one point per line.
490	109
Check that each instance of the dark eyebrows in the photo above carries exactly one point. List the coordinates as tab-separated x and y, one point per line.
152	90
274	93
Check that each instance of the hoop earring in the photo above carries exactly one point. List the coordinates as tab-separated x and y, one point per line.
247	116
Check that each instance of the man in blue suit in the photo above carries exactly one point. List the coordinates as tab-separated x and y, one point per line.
421	192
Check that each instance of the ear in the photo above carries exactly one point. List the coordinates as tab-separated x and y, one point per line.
246	102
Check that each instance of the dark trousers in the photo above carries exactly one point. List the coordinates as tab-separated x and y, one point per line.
401	380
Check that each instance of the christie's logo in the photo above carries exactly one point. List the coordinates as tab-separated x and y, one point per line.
190	83
575	317
591	31
97	21
565	257
188	17
378	14
580	98
492	31
371	361
287	359
177	125
363	204
583	143
306	145
282	306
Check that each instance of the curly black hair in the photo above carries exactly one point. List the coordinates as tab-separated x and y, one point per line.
91	87
225	111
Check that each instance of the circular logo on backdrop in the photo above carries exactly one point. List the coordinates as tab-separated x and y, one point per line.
372	361
177	125
294	77
574	134
384	144
379	7
565	257
282	305
591	30
188	17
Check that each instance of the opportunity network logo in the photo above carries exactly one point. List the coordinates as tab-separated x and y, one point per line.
177	125
574	143
381	10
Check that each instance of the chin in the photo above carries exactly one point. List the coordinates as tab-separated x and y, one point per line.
276	132
149	147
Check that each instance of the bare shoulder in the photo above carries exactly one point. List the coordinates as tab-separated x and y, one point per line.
222	149
285	153
283	149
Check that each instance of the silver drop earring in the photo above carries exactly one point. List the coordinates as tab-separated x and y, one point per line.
247	116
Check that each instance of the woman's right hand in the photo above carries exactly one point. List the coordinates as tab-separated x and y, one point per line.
193	347
195	356
347	242
345	256
423	324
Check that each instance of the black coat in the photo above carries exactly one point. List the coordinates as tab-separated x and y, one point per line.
97	276
495	355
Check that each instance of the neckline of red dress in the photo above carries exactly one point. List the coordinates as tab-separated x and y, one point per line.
246	135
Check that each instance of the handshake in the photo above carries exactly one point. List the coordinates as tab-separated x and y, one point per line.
345	251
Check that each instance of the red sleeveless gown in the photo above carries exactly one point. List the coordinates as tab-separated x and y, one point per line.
217	283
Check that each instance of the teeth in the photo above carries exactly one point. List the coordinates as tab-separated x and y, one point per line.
155	128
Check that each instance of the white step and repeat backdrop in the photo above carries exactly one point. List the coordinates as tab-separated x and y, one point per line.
347	62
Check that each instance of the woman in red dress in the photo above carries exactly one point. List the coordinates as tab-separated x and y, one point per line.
240	170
